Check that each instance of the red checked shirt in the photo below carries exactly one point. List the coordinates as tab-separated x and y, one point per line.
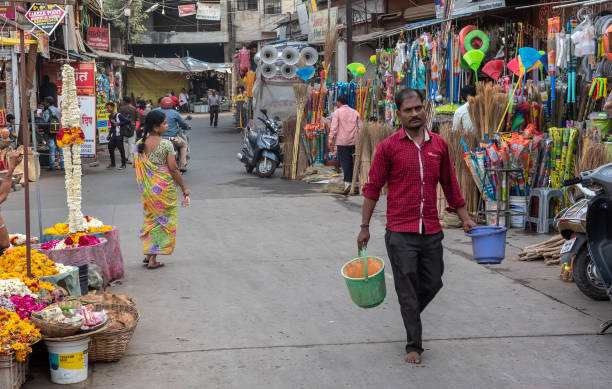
412	173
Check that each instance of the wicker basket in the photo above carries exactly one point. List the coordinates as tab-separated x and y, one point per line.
109	345
12	372
57	330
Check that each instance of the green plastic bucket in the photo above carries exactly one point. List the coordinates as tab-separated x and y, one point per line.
368	291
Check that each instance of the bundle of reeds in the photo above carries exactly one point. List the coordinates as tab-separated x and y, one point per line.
464	177
329	48
370	135
289	134
301	98
593	153
549	251
487	108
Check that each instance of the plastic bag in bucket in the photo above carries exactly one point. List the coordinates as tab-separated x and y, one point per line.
365	280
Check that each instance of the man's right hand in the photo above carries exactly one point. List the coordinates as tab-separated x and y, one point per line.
15	158
363	238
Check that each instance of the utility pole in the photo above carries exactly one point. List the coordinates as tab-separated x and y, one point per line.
328	16
349	31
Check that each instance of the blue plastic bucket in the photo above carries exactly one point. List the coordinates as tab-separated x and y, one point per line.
488	243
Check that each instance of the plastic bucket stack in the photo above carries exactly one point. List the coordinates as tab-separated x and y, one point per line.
366	290
488	244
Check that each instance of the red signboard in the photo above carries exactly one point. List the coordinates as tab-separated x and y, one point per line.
8	11
83	74
97	37
187	10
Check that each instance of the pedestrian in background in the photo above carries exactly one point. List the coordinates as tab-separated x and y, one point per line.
51	125
461	119
174	122
411	163
213	106
344	129
158	175
130	112
143	109
184	101
115	139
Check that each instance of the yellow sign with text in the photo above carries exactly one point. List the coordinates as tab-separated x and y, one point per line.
102	117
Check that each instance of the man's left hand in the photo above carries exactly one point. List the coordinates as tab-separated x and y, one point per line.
468	225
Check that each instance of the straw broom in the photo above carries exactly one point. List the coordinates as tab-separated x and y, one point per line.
288	146
301	99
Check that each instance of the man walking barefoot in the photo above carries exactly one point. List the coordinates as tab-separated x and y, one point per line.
412	162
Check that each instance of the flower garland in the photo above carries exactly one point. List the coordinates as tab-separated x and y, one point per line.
16	335
13	264
70	138
80	239
25	305
91	224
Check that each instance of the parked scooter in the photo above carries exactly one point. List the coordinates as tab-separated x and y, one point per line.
587	228
261	149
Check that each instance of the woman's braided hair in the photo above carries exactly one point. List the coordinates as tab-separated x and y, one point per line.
154	118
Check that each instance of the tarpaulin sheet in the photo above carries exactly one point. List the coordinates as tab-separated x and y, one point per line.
276	96
179	65
149	84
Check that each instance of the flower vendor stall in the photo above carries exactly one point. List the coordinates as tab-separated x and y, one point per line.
82	240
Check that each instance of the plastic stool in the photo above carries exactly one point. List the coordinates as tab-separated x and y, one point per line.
544	195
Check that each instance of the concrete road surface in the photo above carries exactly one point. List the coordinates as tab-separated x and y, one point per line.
253	297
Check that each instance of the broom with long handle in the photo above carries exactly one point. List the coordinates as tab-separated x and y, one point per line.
301	98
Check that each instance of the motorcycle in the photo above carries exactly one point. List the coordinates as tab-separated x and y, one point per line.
261	149
184	134
587	228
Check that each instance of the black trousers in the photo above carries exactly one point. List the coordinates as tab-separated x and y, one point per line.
417	265
214	115
346	155
116	142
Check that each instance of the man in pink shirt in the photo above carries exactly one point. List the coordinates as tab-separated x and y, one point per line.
344	129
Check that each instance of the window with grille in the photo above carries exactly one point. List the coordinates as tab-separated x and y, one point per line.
272	7
247	5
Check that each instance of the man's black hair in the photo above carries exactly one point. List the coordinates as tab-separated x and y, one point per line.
50	100
468	90
109	104
127	99
10	117
343	99
406	94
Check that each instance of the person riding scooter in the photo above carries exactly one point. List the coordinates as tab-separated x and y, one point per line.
175	122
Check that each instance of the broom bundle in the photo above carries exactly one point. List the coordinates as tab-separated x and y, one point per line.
593	154
329	47
289	124
301	99
487	108
370	135
469	191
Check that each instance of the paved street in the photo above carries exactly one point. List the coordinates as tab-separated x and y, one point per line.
253	297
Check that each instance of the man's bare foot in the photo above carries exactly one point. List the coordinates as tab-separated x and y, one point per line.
413	357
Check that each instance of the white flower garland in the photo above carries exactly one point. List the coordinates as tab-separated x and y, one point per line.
71	117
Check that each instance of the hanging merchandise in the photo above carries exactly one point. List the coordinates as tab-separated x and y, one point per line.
244	61
583	38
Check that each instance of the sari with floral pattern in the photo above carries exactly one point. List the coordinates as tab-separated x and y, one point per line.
160	202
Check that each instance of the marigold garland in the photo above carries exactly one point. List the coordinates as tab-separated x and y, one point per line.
70	136
13	264
16	335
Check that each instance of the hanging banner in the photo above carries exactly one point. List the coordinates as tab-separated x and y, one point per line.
102	117
41	37
46	16
208	12
317	24
7	10
187	10
83	74
97	37
87	104
2	117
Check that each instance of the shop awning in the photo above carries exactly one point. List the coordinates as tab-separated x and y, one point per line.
109	55
180	65
70	53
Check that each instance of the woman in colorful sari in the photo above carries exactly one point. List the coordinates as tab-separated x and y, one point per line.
158	175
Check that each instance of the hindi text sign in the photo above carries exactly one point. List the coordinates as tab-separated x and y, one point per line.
97	37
